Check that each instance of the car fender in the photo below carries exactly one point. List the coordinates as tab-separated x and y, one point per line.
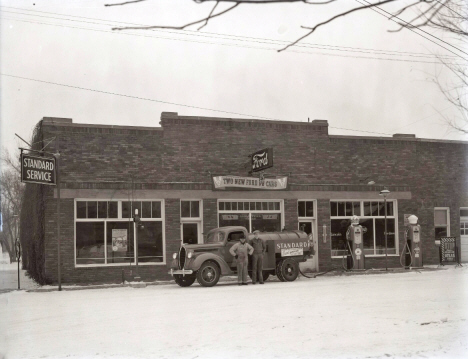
203	257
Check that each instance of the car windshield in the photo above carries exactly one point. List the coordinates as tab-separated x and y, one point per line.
214	237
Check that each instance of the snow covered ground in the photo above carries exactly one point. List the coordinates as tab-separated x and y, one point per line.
398	315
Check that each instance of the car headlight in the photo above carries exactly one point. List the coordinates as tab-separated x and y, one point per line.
174	256
189	254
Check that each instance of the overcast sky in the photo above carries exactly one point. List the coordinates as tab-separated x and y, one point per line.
61	59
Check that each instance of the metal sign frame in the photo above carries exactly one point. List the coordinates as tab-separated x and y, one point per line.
446	240
269	153
53	159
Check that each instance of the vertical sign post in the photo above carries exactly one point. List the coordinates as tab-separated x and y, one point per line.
44	170
57	159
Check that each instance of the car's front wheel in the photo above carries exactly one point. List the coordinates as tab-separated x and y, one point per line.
185	280
208	274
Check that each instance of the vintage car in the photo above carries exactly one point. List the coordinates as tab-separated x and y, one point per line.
207	262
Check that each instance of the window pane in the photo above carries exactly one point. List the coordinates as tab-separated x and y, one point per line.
145	209
227	206
120	244
252	206
309	209
221	206
338	236
136	205
301	208
440	217
240	206
102	209
264	206
234	219
441	232
463	212
246	206
185	209
150	242
189	233
126	209
80	209
368	235
390	208
92	209
333	209
156	209
258	206
341	209
90	243
271	206
112	209
381	209
367	209
349	209
375	209
234	206
265	222
195	208
357	208
277	206
380	236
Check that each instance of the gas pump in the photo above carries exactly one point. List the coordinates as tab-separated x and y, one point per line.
413	250
356	258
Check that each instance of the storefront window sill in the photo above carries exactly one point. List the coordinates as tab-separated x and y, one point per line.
127	265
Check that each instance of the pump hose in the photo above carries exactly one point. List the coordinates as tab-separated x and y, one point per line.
345	255
403	254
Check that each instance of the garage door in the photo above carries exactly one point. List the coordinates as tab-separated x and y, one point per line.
464	239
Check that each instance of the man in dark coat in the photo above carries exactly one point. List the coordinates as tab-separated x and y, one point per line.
259	248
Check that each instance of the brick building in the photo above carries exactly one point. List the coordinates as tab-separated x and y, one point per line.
169	174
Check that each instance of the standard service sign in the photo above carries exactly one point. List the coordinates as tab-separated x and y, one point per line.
38	170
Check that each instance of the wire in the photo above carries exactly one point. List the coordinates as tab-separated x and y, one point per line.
410	28
233	45
234	37
137	97
198	34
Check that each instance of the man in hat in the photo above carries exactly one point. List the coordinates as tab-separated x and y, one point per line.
259	248
240	251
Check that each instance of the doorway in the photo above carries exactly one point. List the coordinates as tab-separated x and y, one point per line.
463	235
308	226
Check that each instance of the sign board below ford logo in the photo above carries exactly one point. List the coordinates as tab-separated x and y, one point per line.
262	159
226	182
38	170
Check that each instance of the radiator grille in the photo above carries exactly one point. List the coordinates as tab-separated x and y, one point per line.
181	257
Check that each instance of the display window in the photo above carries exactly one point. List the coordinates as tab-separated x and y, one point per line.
265	216
372	219
105	233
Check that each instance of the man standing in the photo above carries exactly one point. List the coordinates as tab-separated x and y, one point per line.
241	251
259	248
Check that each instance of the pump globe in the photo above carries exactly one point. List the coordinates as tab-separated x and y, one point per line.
355	220
413	219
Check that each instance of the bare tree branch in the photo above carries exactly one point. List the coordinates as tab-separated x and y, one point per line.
178	27
330	20
209	16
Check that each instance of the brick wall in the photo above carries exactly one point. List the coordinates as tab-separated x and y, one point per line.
187	149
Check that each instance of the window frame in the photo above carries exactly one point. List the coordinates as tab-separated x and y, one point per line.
447	211
119	219
361	217
249	211
194	220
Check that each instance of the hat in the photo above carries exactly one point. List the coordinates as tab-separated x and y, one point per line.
256	231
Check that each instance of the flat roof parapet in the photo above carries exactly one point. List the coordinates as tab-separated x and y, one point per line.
60	120
173	117
404	135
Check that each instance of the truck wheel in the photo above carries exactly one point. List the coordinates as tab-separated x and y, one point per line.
287	270
278	271
185	281
208	274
